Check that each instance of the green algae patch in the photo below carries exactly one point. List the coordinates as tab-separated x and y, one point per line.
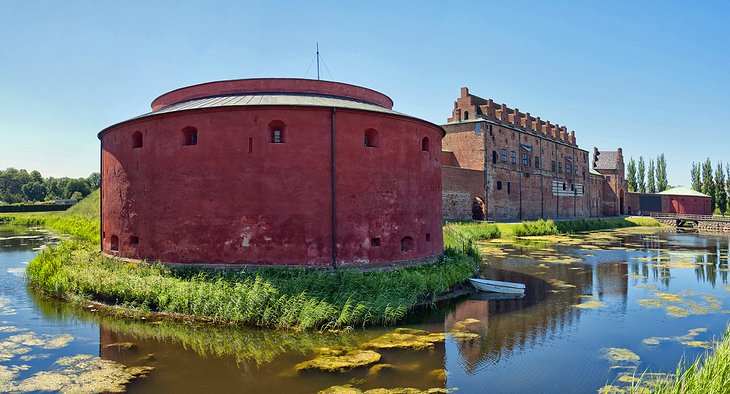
349	389
676	311
380	368
11	329
697	344
669	297
654	340
80	374
346	389
591	304
405	338
617	355
121	346
611	389
559	284
339	360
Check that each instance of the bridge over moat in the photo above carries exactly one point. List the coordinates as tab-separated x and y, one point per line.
701	222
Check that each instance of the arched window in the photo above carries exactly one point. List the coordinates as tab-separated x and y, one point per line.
190	135
466	115
115	243
278	132
424	144
136	139
406	244
371	138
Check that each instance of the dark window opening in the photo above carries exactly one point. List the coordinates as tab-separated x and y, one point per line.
424	144
371	138
572	187
537	161
250	146
560	167
509	189
494	157
190	135
278	131
134	240
553	165
466	115
406	244
103	234
115	243
375	241
499	185
137	140
428	237
563	185
525	159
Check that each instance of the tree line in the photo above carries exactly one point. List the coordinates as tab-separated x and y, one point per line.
713	183
654	181
21	186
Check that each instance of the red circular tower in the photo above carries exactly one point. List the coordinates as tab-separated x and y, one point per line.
272	172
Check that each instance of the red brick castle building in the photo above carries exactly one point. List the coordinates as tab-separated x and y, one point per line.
505	165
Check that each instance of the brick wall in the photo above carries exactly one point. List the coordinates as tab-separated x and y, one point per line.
460	187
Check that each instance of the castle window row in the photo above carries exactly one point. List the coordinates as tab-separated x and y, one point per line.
277	135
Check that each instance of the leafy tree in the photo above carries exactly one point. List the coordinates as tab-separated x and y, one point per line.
94	180
662	183
708	184
631	175
34	191
696	175
76	185
720	189
640	183
651	183
77	196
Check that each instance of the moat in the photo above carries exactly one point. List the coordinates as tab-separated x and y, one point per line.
598	308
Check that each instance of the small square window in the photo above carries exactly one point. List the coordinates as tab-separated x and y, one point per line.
134	240
375	241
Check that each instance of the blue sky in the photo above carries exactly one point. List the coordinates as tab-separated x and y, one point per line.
650	76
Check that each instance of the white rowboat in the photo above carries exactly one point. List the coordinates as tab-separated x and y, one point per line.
495	286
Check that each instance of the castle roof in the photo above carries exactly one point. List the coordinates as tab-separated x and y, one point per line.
683	191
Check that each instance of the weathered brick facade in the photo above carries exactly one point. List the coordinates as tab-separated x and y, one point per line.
529	168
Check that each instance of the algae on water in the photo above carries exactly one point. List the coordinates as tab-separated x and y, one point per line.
405	338
339	360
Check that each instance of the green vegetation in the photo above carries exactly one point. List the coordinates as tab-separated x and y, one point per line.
80	221
550	227
708	374
20	186
271	297
540	227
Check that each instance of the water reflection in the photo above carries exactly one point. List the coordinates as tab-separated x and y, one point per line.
542	342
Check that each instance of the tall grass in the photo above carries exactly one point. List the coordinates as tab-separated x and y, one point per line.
550	227
540	227
707	374
272	297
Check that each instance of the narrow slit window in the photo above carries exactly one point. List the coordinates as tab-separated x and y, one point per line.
371	138
115	243
250	146
137	140
428	237
190	136
278	131
406	244
424	144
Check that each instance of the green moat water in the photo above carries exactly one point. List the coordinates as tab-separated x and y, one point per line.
597	308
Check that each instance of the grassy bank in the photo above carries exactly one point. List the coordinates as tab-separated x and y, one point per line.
550	227
80	221
707	374
269	297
